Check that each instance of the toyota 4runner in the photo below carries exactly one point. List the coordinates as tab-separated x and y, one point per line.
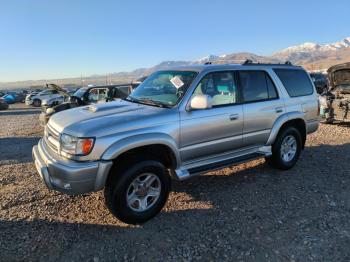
177	124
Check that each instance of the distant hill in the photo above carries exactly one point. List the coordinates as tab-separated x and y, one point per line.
312	56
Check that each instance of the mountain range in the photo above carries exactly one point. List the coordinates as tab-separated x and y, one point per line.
312	56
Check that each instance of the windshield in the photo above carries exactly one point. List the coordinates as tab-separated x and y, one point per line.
163	88
80	92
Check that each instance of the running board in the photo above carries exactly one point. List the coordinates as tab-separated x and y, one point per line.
183	174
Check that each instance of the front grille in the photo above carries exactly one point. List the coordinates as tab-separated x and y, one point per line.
52	138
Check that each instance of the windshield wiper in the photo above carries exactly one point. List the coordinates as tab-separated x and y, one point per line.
131	99
148	101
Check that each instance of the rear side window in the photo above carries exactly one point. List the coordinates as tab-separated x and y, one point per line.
296	82
256	86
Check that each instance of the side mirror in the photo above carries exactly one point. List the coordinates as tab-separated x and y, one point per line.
200	102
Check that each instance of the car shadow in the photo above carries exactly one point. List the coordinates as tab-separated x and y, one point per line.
346	124
315	161
16	149
338	123
11	112
246	209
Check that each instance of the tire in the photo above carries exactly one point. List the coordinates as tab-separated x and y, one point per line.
122	184
285	161
36	103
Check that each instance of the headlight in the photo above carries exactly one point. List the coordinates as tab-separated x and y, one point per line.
76	146
50	111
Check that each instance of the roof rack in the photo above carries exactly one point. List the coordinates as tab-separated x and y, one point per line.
250	62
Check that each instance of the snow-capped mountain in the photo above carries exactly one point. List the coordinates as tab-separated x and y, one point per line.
208	58
300	54
314	47
310	55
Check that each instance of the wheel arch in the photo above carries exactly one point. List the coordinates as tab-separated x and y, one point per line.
155	142
295	119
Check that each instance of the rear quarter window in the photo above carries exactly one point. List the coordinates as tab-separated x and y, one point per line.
296	82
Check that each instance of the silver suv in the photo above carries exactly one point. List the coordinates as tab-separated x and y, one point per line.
177	124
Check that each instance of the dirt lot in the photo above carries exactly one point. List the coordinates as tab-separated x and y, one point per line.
245	213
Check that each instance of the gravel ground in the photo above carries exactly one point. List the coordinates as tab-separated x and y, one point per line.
248	212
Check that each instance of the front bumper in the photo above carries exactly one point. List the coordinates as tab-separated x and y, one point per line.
70	177
28	102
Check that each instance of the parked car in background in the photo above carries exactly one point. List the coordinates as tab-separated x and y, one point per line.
53	101
18	96
178	123
32	93
51	96
320	81
86	96
9	98
3	104
335	103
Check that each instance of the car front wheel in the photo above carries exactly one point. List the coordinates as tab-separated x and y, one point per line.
138	193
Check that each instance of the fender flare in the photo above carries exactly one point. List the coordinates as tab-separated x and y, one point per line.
280	121
128	143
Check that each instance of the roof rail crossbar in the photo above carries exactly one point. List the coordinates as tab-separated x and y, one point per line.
250	62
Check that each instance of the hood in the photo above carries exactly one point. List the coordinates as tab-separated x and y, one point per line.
339	77
58	89
103	119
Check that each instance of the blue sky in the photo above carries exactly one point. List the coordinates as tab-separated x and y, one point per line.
53	39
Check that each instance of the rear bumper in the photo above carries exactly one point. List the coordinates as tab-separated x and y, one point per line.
312	126
70	177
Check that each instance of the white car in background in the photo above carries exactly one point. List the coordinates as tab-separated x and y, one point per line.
48	97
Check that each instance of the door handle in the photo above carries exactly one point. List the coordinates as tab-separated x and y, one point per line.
279	109
234	117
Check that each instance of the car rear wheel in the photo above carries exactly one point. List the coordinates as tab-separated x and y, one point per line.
138	193
286	149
